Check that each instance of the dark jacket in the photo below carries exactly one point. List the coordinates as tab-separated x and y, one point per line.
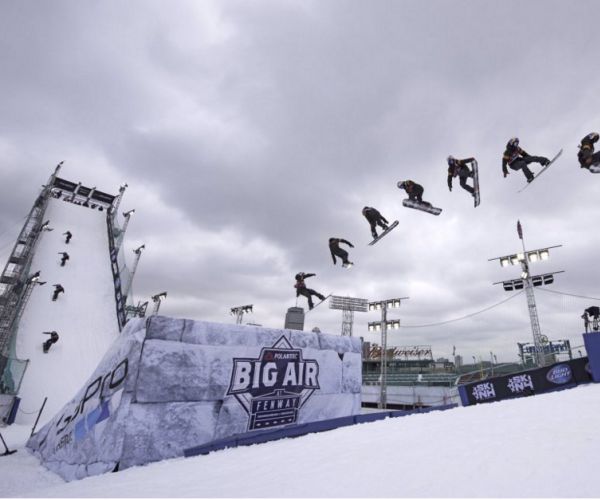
300	277
334	246
510	155
586	149
454	167
373	215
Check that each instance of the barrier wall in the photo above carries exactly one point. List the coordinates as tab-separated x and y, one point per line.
169	384
529	382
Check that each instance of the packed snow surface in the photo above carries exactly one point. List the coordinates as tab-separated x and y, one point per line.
84	316
540	446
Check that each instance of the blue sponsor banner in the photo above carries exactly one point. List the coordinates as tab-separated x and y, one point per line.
592	346
527	383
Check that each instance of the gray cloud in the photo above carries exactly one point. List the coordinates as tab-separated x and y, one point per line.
252	132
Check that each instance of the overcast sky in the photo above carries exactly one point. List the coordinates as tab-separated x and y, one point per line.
251	132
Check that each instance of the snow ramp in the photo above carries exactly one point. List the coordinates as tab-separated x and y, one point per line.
168	384
84	316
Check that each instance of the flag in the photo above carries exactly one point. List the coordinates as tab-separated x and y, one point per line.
519	230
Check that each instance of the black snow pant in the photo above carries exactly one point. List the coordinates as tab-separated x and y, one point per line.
342	254
463	174
308	293
377	222
590	160
521	164
416	194
47	344
55	294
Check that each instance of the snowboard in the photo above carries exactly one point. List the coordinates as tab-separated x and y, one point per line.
476	193
318	304
349	265
390	227
425	207
541	171
594	169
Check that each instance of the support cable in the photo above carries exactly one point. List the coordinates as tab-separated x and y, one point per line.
465	316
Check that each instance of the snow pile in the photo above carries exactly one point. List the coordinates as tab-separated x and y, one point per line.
537	447
170	384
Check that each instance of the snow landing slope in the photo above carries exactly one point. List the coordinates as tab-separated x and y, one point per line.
84	316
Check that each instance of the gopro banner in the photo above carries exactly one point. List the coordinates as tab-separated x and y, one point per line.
167	385
527	383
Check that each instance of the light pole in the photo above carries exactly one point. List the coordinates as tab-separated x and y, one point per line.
121	232
239	311
138	255
528	281
348	305
118	199
383	326
157	299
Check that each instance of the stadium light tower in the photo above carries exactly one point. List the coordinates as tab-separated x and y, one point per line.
382	326
239	311
348	305
528	281
138	256
157	300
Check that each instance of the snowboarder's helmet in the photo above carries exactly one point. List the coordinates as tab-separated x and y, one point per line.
364	210
298	277
401	184
513	142
450	160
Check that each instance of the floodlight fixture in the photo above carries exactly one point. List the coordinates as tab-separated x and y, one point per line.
533	256
139	249
159	296
239	312
544	255
505	261
525	275
374	326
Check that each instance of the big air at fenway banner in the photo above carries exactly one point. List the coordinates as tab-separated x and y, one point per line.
171	384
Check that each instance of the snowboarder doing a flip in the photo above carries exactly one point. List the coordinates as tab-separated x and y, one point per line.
306	292
334	248
52	340
518	159
459	168
586	156
375	219
414	191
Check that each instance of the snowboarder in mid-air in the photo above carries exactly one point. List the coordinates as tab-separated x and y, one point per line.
334	248
306	292
518	159
68	237
52	340
375	219
415	198
459	168
58	288
64	258
591	314
586	156
414	191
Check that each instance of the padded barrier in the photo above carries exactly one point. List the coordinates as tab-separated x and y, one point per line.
302	430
